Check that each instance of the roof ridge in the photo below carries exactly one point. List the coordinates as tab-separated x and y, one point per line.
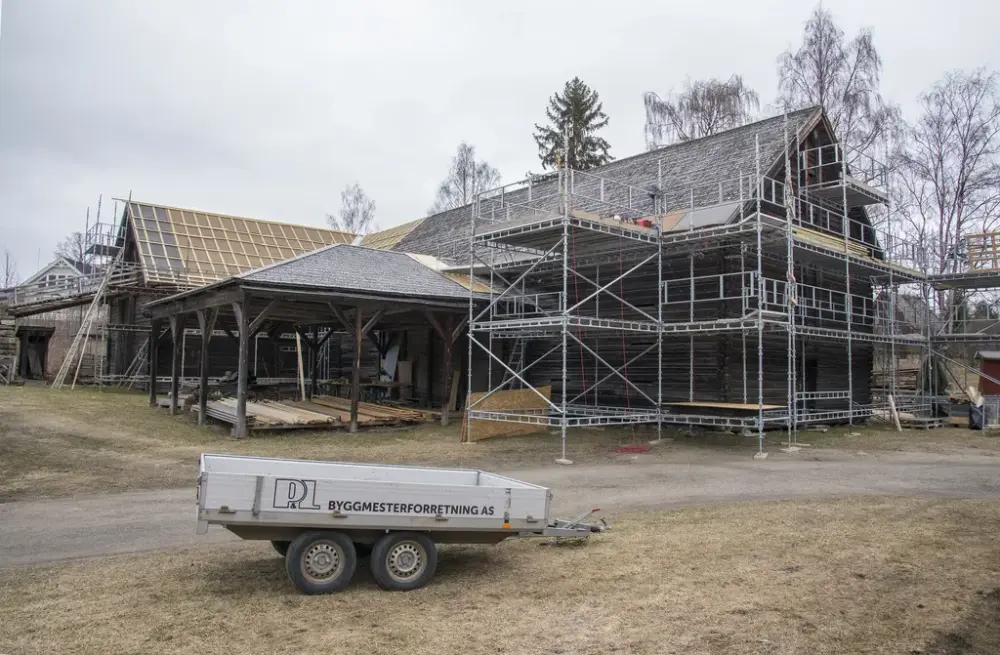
702	139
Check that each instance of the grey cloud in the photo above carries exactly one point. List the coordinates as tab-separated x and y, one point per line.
268	108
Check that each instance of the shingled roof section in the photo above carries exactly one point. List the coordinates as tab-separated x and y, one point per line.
355	268
700	165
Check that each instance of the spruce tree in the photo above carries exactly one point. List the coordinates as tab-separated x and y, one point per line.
578	113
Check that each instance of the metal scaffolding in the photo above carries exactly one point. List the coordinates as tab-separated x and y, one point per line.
816	283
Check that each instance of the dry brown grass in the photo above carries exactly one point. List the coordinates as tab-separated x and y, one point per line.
88	441
59	443
882	437
886	575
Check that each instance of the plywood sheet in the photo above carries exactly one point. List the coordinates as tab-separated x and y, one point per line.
508	400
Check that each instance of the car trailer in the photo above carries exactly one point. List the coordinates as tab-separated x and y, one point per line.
321	516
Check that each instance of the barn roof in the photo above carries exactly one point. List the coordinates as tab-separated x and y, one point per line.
355	268
189	248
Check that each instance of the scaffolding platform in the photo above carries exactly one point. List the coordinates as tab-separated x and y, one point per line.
973	279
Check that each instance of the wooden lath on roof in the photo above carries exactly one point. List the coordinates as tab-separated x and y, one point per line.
189	248
387	239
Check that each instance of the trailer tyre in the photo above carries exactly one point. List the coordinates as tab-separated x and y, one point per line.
403	560
281	547
321	562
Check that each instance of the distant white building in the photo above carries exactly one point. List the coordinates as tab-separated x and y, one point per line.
60	276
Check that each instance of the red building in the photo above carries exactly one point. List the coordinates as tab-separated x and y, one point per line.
989	366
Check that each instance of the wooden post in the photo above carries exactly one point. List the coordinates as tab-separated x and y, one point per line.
299	369
177	322
314	358
895	414
449	381
153	356
429	373
449	333
240	427
206	323
359	337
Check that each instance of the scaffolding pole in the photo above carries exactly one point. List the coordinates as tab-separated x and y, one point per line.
848	300
658	202
760	301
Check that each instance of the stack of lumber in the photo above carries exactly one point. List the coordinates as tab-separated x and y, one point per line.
832	242
369	414
269	415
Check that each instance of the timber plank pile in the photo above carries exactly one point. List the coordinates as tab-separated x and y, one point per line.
368	413
322	412
269	415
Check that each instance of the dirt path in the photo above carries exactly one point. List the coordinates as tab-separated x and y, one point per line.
33	532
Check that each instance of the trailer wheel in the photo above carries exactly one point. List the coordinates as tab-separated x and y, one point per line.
403	560
281	547
321	562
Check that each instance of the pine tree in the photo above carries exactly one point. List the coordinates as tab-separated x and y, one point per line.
579	113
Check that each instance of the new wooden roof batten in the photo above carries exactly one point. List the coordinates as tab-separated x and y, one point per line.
187	248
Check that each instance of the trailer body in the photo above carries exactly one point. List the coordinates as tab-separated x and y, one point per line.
258	496
285	500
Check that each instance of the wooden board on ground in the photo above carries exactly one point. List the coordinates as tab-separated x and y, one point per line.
269	415
320	412
370	413
509	400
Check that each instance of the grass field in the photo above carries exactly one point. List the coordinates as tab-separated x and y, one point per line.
884	575
59	443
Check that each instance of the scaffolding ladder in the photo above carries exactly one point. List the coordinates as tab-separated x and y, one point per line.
78	346
515	361
135	367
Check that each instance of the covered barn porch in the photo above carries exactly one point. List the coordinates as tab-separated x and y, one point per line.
362	293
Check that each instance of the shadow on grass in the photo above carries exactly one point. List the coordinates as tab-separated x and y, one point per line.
978	633
240	576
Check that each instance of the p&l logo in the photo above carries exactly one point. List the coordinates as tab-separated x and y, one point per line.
290	493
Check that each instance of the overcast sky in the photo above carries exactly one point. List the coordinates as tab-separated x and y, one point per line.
267	109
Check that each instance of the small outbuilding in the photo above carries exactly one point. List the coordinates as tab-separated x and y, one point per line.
989	372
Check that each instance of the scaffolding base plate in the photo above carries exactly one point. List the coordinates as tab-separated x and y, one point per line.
760	456
790	449
564	462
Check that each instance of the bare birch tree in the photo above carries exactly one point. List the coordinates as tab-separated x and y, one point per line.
843	76
949	172
357	211
701	108
8	271
466	177
73	247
